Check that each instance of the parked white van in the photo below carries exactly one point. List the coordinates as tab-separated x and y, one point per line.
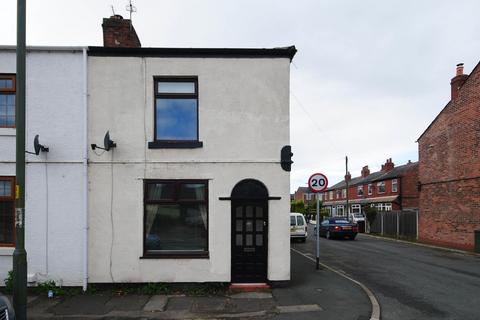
298	226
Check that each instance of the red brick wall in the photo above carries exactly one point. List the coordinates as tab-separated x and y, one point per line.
408	184
449	170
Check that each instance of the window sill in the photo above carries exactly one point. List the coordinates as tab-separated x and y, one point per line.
175	144
186	255
8	132
6	251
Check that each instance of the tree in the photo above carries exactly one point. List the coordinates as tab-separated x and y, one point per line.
297	206
371	214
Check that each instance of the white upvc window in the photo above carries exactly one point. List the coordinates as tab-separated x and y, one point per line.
356	208
340	210
388	206
360	190
330	193
370	189
344	193
381	187
394	185
339	193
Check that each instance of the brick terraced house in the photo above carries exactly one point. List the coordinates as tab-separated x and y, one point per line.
449	167
391	188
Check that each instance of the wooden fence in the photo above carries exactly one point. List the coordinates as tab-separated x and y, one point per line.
399	224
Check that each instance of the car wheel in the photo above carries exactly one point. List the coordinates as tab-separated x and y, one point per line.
328	235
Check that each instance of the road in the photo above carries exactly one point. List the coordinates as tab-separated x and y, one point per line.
409	281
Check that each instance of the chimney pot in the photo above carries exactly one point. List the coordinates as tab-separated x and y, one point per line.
457	81
459	69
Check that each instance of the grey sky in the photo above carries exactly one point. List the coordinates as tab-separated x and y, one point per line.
368	78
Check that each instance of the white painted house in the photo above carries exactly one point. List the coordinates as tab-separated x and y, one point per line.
194	190
55	181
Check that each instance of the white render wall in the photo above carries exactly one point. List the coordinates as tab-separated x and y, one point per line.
55	207
243	124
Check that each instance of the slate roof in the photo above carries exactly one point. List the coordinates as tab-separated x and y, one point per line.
304	190
376	176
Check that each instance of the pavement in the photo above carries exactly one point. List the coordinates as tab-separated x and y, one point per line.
311	294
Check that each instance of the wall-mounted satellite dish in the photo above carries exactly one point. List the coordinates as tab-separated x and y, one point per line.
108	143
37	147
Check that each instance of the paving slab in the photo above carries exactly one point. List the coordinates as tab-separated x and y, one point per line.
250	305
179	303
83	304
209	304
127	303
156	303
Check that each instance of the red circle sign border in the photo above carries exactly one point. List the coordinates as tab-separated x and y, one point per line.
310	186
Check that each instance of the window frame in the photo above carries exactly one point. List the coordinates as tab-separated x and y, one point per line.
344	193
394	184
12	199
360	191
178	254
379	184
173	144
13	90
370	189
338	194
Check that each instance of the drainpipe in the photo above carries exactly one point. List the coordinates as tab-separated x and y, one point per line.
85	171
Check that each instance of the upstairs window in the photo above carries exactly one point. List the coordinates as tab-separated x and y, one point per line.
394	185
339	193
330	193
7	212
7	101
344	193
370	189
176	113
381	187
360	191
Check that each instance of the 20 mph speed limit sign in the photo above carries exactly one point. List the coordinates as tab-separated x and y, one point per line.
318	182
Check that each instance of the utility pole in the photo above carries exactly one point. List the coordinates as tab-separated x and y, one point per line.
20	255
346	181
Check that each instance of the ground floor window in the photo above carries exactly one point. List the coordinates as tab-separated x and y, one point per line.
176	218
384	206
356	208
340	211
7	211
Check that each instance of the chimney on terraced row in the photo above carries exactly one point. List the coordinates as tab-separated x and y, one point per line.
119	32
365	172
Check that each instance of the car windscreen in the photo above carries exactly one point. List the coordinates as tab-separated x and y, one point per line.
358	215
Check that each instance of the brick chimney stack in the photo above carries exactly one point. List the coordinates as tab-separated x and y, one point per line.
458	81
348	177
119	32
365	172
388	165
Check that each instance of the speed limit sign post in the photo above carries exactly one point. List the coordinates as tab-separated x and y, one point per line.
318	182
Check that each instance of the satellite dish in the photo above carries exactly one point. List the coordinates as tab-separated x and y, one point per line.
107	143
38	147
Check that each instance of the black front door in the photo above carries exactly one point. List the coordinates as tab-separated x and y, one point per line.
249	241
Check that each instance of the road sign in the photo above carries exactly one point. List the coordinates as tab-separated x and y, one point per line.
317	182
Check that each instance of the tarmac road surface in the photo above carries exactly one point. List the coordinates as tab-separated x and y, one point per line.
409	281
